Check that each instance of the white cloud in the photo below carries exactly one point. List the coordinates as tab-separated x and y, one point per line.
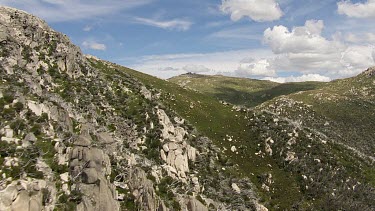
250	67
307	77
357	10
237	33
68	10
193	68
217	62
177	24
87	28
167	69
368	38
357	58
305	50
257	10
94	45
301	39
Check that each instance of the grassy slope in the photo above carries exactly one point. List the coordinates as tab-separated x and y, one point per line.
241	91
349	104
215	120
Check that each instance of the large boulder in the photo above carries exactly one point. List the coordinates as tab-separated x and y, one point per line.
89	176
7	196
22	201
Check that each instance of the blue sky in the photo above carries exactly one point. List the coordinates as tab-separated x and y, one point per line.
279	40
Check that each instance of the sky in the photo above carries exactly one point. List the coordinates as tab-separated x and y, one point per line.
278	40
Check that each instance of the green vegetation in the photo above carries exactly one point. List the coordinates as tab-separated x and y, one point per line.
240	91
249	129
165	192
216	121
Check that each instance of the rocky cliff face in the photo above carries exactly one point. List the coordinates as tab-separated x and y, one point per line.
77	133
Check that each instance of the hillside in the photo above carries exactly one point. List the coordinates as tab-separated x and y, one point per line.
80	133
240	91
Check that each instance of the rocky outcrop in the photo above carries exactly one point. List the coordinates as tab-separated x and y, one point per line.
23	31
370	72
28	194
92	166
143	191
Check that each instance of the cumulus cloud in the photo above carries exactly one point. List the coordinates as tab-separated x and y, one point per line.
357	57
357	10
68	10
250	67
368	38
177	24
307	77
301	39
94	45
304	49
257	10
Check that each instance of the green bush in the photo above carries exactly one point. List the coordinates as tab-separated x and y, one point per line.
18	106
36	129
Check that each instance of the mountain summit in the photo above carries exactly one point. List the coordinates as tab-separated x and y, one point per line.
80	133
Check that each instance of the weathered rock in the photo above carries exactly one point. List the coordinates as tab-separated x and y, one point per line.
236	188
192	153
105	138
28	140
162	155
290	156
22	201
64	177
179	134
195	205
181	163
166	148
172	146
35	204
7	196
147	197
146	93
260	207
83	140
89	175
8	132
